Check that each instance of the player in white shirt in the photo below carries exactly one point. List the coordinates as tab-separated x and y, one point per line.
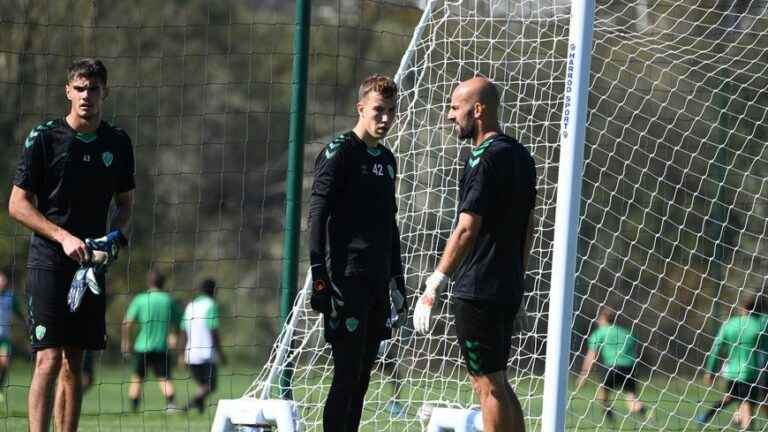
203	344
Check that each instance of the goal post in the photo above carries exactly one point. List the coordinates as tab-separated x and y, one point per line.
572	133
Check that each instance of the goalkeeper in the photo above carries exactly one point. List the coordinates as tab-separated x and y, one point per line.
71	169
353	208
487	252
740	341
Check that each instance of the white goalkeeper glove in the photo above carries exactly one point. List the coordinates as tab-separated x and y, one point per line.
422	315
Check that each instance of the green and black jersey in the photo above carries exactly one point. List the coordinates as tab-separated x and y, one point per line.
74	177
499	184
353	208
742	343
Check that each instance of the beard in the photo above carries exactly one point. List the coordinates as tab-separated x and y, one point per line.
465	133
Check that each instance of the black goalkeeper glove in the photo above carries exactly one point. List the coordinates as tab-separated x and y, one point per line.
399	303
326	297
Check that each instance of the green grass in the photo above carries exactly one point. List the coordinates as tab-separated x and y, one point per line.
106	407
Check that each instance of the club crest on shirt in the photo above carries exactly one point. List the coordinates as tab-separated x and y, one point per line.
351	324
107	158
40	332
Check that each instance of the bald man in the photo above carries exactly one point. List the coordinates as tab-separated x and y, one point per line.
487	252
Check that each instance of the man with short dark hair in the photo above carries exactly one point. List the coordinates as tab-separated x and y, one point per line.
353	207
71	170
157	315
616	349
202	350
487	252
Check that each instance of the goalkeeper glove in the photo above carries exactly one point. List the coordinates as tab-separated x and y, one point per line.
326	297
422	315
103	250
85	277
399	310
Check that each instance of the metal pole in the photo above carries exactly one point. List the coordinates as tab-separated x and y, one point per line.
573	132
295	171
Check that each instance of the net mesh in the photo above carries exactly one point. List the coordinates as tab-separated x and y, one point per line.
673	208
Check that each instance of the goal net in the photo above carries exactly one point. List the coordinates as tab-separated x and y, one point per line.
673	207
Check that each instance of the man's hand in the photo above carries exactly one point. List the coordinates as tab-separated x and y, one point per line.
326	297
399	303
125	348
74	248
422	315
103	250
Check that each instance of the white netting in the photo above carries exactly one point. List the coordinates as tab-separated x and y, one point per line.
673	203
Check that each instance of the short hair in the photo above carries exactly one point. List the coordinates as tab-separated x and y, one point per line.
87	68
156	279
208	286
749	302
608	313
380	84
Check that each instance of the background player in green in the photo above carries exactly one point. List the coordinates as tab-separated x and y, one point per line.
202	350
158	317
8	308
353	207
487	251
616	349
71	170
739	343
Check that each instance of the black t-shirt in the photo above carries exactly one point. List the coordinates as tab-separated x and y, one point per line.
353	198
499	184
74	177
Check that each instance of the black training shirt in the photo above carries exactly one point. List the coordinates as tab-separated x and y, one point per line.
74	177
353	207
499	184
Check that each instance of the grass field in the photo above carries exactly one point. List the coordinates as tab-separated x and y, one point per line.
106	407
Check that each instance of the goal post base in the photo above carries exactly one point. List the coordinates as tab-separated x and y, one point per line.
455	420
256	412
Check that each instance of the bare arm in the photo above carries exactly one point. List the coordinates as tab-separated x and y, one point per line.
586	366
217	346
125	337
21	207
122	212
460	242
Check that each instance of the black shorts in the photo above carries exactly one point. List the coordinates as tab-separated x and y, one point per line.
744	391
484	330
158	361
52	325
620	379
365	312
204	374
88	362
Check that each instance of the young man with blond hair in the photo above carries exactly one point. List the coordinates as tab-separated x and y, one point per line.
352	211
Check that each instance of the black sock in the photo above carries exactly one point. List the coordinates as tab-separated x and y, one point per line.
169	399
135	404
200	403
2	377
